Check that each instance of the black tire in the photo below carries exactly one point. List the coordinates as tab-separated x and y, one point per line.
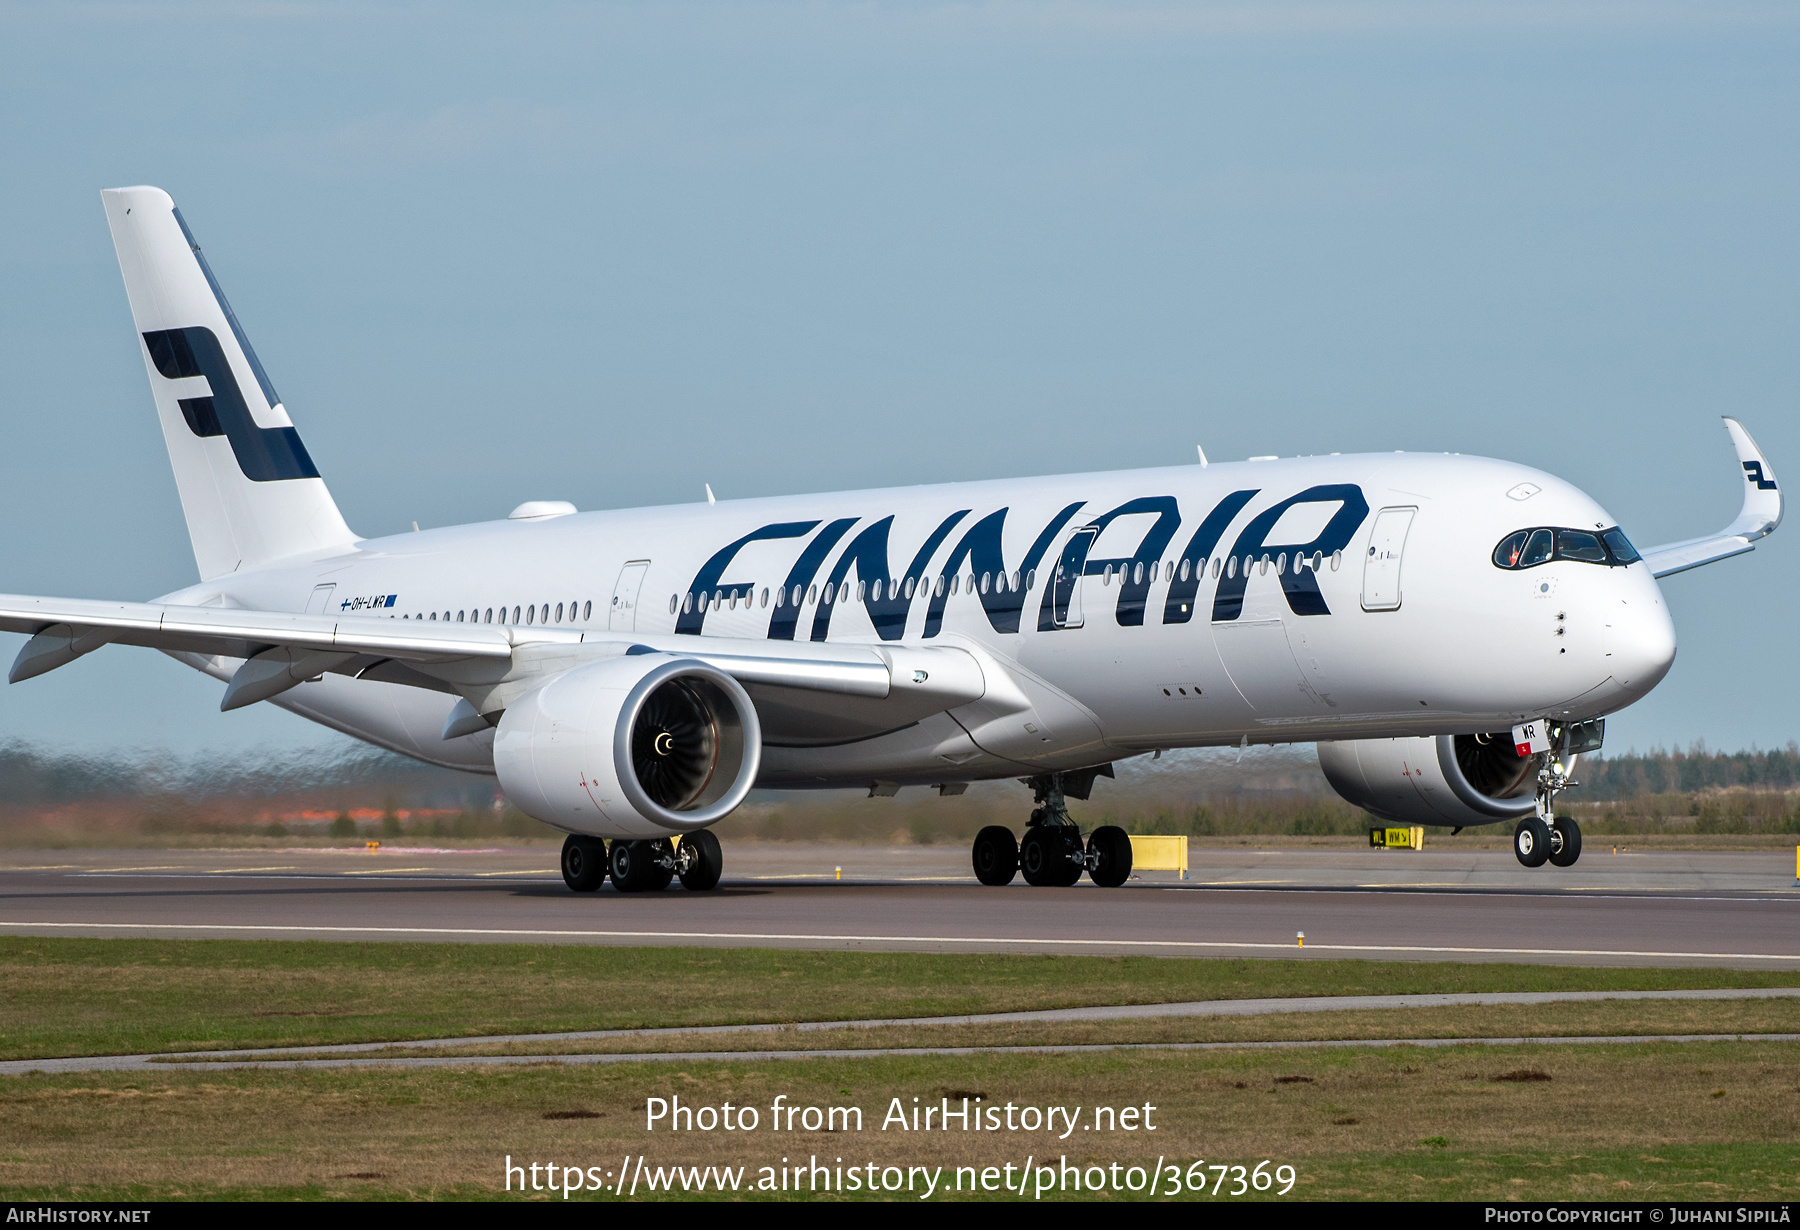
1110	848
630	866
1038	852
709	861
1044	856
583	863
996	856
1531	841
1074	861
1566	840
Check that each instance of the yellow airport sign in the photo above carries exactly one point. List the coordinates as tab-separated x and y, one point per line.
1159	854
1398	839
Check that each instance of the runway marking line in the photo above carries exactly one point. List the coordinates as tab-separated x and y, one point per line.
900	939
170	867
233	871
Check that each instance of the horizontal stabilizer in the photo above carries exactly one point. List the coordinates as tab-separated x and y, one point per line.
1758	518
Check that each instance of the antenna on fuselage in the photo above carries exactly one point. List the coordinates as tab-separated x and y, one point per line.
710	498
1202	453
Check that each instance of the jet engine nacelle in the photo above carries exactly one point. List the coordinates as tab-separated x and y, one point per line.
638	746
1447	780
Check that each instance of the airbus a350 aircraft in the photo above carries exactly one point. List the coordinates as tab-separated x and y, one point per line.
1448	629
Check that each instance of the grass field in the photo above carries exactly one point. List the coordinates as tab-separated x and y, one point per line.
1541	1122
87	997
1661	1121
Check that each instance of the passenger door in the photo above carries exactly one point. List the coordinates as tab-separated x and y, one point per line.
1065	609
623	615
1381	567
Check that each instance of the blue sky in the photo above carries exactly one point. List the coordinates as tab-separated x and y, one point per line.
607	253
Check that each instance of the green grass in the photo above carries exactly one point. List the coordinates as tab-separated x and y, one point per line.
115	996
1712	1121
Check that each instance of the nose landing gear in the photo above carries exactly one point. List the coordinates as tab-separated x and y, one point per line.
1548	837
1052	854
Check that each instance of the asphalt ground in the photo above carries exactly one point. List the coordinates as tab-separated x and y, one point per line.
1738	909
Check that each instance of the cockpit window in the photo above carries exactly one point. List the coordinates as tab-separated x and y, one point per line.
1537	550
1506	555
1581	545
1530	547
1620	546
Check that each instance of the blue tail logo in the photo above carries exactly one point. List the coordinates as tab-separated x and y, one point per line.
1753	472
264	454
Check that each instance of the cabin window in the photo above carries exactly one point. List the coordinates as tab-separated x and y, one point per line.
765	597
1337	557
559	612
1281	564
1031	579
587	611
516	617
1231	568
1106	576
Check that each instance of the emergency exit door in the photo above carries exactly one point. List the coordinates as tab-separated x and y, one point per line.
623	615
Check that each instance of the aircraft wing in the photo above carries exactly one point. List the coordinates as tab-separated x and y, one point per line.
1758	518
281	649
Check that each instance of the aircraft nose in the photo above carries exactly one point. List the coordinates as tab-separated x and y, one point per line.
1640	640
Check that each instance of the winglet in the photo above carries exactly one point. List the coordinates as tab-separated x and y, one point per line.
1758	518
1762	497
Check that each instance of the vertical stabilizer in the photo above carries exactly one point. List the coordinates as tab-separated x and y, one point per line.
248	488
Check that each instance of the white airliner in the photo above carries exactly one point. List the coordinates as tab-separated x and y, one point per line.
1448	629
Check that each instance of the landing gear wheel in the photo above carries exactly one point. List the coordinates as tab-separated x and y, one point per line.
1565	841
1109	856
631	867
583	863
706	861
1531	841
996	856
1044	856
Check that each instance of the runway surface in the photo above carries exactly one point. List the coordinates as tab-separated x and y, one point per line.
1684	908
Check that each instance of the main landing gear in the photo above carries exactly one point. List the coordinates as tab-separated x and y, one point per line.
1556	839
1052	853
642	866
